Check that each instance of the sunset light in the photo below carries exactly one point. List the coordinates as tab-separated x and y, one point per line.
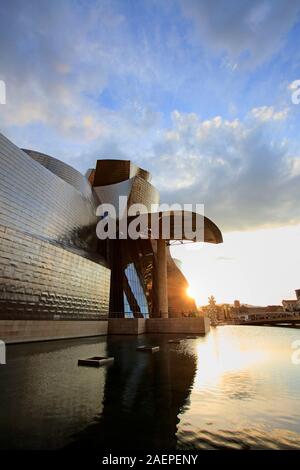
149	230
190	292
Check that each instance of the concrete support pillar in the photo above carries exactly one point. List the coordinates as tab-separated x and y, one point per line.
161	279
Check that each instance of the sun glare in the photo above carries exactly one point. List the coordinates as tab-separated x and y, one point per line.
225	355
190	292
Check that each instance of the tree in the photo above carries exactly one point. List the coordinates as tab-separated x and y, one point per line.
212	310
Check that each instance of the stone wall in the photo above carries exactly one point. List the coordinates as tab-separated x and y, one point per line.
178	325
20	331
126	326
136	326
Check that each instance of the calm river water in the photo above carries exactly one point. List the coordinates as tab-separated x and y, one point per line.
235	388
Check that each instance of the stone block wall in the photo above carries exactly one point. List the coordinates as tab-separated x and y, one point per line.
178	325
20	331
126	326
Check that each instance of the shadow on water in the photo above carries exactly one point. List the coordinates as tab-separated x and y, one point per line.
48	402
237	387
45	397
143	396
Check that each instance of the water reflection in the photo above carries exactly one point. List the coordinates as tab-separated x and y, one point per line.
235	388
144	394
44	396
246	391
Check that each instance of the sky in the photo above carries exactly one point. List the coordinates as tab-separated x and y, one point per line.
197	92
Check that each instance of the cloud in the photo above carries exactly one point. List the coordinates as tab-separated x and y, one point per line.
248	31
58	59
96	79
38	59
267	113
242	170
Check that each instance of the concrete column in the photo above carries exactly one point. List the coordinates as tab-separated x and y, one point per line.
161	278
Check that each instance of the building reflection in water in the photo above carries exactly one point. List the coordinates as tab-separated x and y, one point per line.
143	396
45	397
234	388
48	402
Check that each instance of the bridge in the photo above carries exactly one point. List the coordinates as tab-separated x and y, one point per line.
269	318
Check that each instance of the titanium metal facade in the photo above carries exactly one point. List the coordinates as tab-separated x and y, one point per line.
49	264
52	265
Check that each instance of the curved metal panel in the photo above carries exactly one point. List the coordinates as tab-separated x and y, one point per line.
64	171
173	224
49	264
110	194
35	200
143	192
136	189
110	171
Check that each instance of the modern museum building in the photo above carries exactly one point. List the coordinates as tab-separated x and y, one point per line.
58	279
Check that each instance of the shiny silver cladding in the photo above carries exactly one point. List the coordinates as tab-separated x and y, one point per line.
49	265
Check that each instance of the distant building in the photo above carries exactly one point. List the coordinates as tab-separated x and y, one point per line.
292	305
244	312
289	305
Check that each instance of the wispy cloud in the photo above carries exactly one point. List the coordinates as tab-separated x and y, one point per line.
163	84
242	170
249	32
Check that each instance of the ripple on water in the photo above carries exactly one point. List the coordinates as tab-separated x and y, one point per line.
240	439
235	388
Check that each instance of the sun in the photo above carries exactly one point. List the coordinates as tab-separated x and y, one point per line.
193	294
190	292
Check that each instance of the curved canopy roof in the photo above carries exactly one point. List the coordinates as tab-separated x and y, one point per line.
175	225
